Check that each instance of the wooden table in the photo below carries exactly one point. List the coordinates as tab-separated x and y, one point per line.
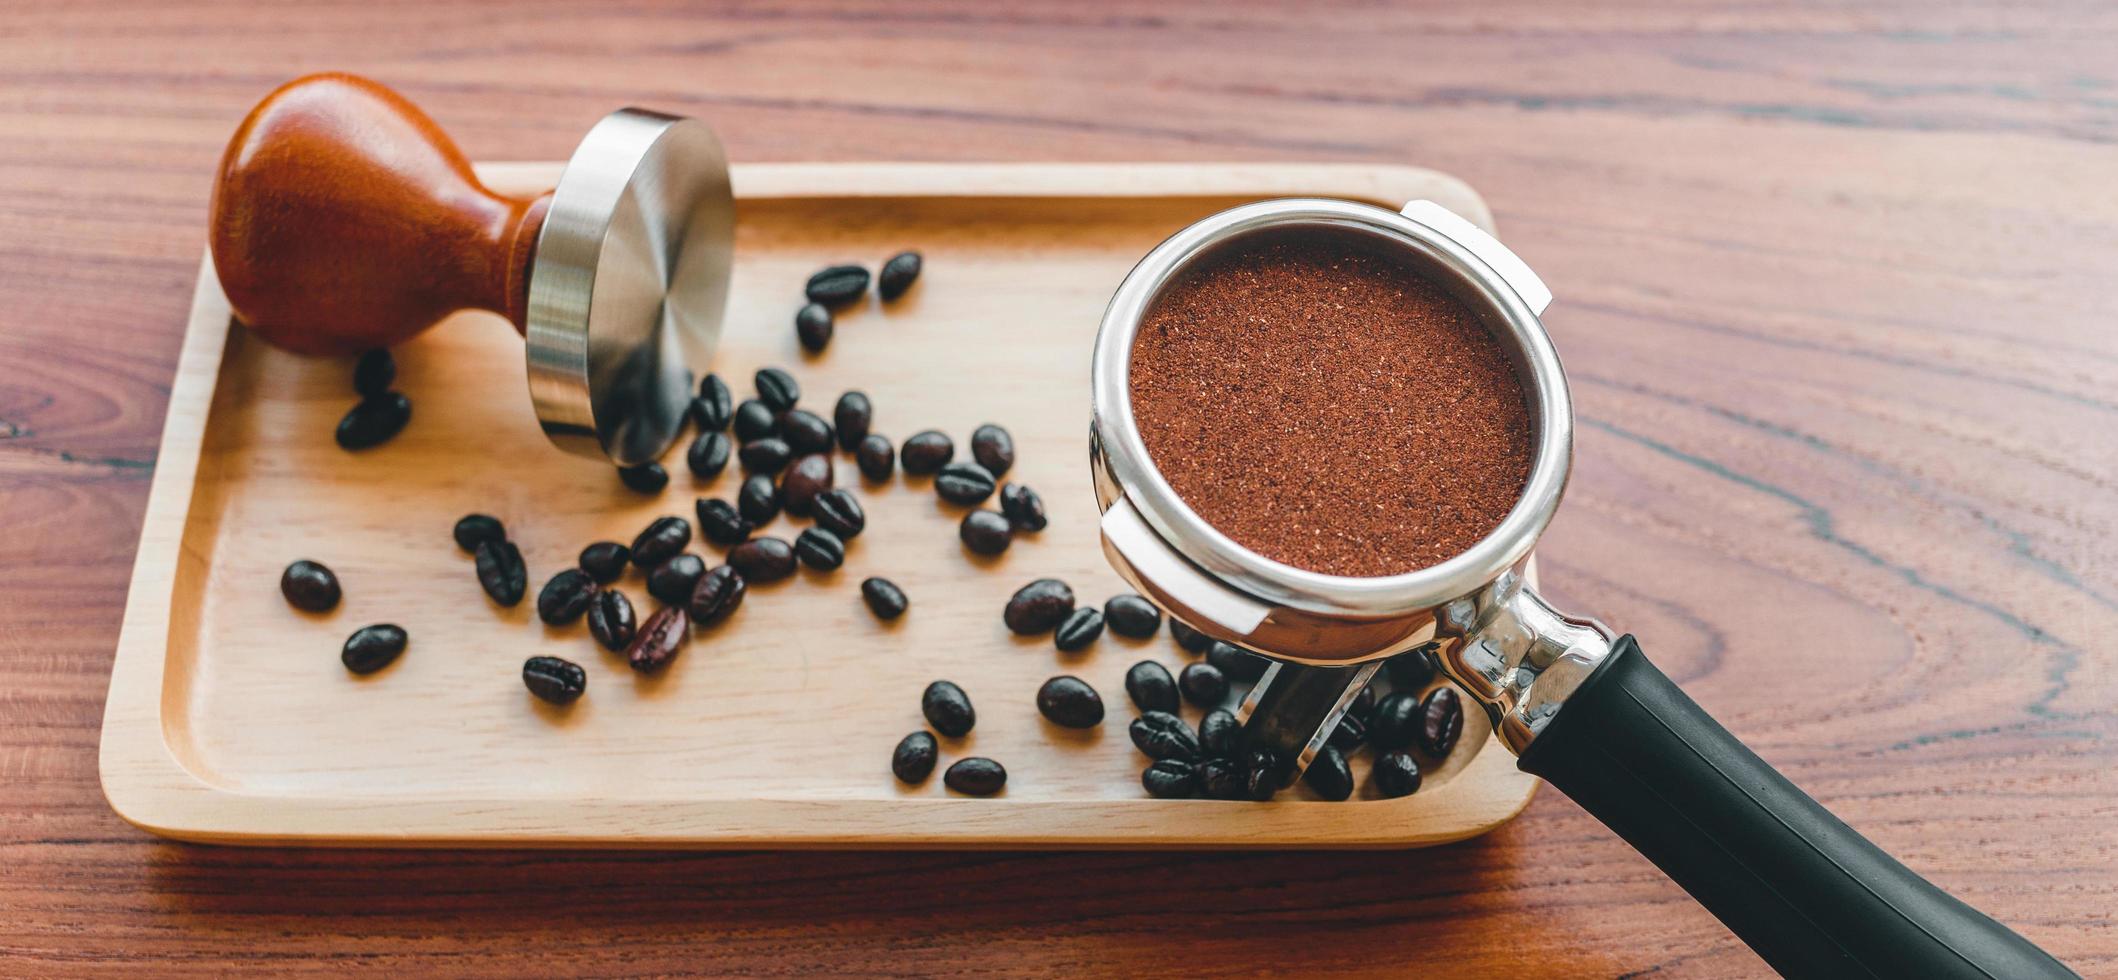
1835	290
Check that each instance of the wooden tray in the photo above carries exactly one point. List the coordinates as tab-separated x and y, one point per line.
231	720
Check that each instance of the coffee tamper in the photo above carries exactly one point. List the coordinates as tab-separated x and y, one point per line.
343	219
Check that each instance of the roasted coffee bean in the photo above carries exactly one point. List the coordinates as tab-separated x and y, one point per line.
371	648
1329	775
993	448
1079	629
1363	704
926	453
1151	688
1162	735
1236	663
808	476
1395	774
1411	671
660	542
610	620
708	455
1396	722
837	285
883	597
1264	775
1130	615
374	373
1023	507
475	528
1440	722
948	709
839	512
1220	734
659	639
1069	702
565	597
1350	734
1223	779
755	420
604	561
877	458
644	478
309	585
1190	639
763	559
374	421
1038	607
913	760
1170	779
766	455
820	549
715	406
501	571
985	532
975	776
673	580
813	327
897	275
718	594
963	483
1203	685
554	680
852	415
777	389
806	431
758	500
720	523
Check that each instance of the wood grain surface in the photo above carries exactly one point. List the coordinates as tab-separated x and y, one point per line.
1834	287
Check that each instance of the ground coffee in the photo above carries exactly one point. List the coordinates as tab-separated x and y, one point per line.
1326	406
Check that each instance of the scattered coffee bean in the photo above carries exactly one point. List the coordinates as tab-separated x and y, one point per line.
644	478
1264	776
1329	775
1350	734
755	420
1363	704
374	421
1220	734
853	414
877	458
926	453
660	542
985	532
501	571
673	580
708	455
1236	663
1203	685
1038	607
777	389
948	709
714	407
720	523
975	776
763	559
1188	638
659	639
1223	779
371	648
1440	722
718	594
610	620
758	500
993	448
839	512
963	483
1151	688
913	760
565	597
813	327
1079	629
766	455
1170	779
820	549
1396	721
1130	615
1070	702
1162	735
604	561
475	528
808	476
1023	507
897	275
837	285
554	680
374	373
1395	774
1411	671
806	431
309	585
883	597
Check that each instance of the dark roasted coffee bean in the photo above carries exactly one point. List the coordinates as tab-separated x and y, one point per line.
374	373
720	523
610	620
374	421
926	452
1170	779
1350	734
755	420
1079	629
1395	774
883	597
715	406
897	275
644	478
565	597
913	760
708	455
1190	639
839	512
554	680
777	389
1203	685
660	542
1069	702
1236	663
1411	671
820	549
371	648
985	532
659	639
1220	734
1440	722
475	528
1038	607
877	458
806	432
501	572
1023	508
766	455
673	580
837	285
604	561
1363	704
810	475
1329	775
719	593
948	709
1223	779
993	448
813	327
975	776
309	585
1396	722
1130	615
852	415
758	500
1162	735
1151	688
763	559
1264	775
963	483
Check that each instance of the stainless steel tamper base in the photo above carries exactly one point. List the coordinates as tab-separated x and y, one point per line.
628	285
